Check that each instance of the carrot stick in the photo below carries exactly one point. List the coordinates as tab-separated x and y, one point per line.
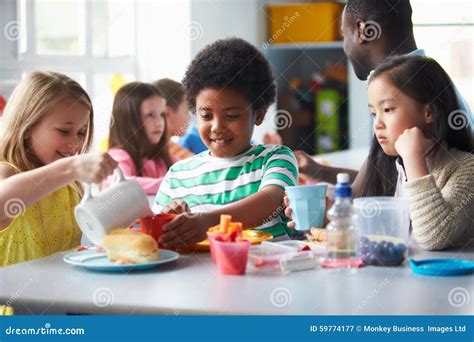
224	224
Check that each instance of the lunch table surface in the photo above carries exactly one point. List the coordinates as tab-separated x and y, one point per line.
192	285
350	159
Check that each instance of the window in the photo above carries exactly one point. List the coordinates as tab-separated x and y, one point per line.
445	29
91	41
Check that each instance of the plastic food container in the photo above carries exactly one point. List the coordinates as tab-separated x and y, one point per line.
297	245
384	228
283	256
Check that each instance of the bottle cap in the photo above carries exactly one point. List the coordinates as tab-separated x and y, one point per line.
343	189
343	178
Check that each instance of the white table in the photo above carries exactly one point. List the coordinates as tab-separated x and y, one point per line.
191	285
349	159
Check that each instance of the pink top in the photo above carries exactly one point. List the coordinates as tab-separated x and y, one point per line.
153	171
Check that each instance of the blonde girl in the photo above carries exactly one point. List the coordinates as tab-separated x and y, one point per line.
46	129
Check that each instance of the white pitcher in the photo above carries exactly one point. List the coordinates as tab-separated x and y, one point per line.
118	206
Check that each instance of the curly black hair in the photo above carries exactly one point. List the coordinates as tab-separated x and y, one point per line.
233	64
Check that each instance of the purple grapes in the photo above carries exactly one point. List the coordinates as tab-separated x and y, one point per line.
382	253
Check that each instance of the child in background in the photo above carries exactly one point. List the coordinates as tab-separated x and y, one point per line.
192	141
229	86
176	114
422	150
137	139
45	130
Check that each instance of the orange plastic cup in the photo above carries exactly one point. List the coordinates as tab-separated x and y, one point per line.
153	225
230	257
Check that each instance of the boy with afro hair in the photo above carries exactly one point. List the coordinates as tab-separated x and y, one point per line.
229	86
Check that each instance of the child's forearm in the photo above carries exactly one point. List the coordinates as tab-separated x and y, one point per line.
415	168
255	209
30	186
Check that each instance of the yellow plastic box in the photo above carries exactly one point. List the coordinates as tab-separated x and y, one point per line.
304	22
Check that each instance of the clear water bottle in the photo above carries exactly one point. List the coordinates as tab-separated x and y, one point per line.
342	237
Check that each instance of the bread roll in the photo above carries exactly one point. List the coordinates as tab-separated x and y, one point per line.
125	246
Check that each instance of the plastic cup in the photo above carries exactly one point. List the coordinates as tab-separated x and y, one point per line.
153	225
210	237
230	257
308	205
384	229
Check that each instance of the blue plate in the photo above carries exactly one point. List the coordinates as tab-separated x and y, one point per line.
93	260
442	267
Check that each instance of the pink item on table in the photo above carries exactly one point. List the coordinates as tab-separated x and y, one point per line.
211	236
230	257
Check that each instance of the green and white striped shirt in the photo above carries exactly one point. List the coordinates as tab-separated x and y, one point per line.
207	183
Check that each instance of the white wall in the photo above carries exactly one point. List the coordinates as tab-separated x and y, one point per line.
360	122
9	75
163	34
217	19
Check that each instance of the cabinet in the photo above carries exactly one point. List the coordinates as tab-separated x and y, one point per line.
311	120
311	115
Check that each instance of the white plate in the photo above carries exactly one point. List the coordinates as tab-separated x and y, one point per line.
99	262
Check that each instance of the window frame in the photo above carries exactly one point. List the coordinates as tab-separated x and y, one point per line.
87	64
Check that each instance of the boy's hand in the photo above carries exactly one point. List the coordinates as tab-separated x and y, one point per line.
93	167
186	230
290	224
307	165
176	207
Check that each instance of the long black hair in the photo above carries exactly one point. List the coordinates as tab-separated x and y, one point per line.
426	82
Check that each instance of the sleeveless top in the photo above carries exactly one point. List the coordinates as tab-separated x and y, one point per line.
44	228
